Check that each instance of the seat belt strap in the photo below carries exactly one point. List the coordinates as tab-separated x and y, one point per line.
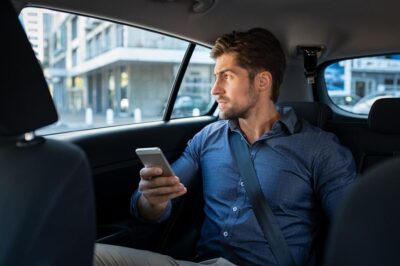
310	56
261	208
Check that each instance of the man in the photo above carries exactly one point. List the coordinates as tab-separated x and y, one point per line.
302	170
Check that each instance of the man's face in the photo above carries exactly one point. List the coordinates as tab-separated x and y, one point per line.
233	90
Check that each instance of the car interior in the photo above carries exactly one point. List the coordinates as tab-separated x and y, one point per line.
315	35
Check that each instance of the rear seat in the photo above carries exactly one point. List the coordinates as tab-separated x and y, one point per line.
315	113
366	230
384	120
377	139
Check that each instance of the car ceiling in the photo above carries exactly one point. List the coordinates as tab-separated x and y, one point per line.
345	27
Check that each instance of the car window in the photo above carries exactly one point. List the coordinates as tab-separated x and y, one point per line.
355	84
194	97
102	73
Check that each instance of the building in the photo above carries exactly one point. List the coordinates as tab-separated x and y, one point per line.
37	23
364	76
100	65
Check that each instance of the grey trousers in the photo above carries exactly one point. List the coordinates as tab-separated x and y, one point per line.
109	255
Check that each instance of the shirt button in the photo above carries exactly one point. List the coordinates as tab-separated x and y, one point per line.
225	233
234	209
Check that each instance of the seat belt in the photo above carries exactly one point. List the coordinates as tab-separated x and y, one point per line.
310	55
262	210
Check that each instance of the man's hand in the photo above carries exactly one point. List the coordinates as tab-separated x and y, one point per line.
157	191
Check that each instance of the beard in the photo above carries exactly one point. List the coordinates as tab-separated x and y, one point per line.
236	112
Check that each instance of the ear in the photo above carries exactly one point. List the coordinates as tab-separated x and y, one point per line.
264	80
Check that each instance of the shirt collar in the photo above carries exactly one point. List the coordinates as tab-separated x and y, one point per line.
288	119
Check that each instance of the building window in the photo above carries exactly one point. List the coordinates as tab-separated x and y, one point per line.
60	64
120	36
75	57
88	49
74	28
107	40
60	39
97	47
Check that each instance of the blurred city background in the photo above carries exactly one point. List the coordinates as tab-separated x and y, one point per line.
103	73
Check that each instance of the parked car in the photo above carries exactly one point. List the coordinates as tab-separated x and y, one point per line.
364	104
186	106
345	102
98	54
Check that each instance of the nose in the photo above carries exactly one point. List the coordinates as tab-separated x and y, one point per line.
217	89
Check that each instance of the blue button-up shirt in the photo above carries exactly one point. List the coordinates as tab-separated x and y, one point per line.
303	172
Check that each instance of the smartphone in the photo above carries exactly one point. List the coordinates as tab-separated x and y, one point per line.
154	156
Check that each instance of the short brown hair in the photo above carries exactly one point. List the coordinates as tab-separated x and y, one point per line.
256	50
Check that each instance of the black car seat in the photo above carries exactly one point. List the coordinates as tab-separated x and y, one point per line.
366	230
316	113
46	195
384	130
375	140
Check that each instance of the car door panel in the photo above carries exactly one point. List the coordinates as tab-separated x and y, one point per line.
114	164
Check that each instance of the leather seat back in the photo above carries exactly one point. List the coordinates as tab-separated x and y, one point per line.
366	230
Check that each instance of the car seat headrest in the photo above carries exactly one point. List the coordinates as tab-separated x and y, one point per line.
25	99
383	116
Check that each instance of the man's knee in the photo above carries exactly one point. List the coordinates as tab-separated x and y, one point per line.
110	255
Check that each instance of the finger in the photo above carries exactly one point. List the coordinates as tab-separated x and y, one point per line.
165	197
159	182
157	191
150	172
